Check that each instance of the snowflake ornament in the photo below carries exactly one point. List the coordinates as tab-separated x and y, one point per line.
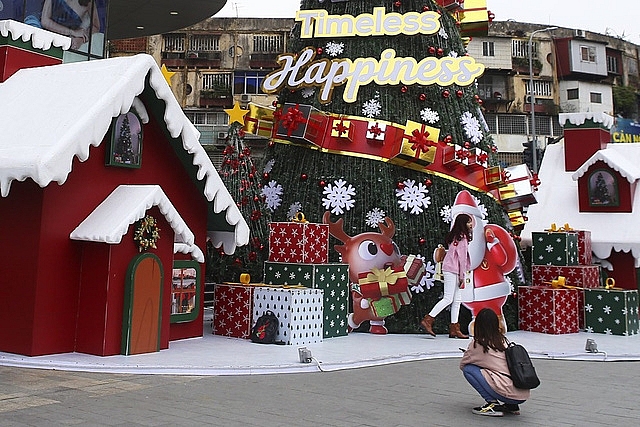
371	108
374	217
273	195
429	116
413	196
269	166
453	54
307	92
294	209
338	197
445	214
471	127
442	33
334	49
481	207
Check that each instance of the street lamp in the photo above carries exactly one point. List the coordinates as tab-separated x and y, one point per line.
532	99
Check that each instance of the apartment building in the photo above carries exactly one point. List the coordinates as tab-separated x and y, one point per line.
223	60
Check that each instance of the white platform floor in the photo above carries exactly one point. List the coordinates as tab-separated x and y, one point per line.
217	355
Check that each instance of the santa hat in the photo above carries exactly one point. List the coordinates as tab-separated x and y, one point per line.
464	204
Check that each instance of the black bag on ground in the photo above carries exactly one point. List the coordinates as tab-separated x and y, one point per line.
265	329
523	374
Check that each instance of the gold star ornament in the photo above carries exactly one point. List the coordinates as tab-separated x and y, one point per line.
167	74
236	114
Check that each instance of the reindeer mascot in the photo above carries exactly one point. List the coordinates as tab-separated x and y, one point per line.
363	253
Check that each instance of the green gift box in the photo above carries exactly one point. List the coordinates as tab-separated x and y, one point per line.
332	278
554	248
611	311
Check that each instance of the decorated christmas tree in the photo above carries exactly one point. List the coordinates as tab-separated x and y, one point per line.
378	116
124	148
240	176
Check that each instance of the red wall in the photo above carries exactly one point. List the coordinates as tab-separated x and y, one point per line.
624	271
51	263
13	59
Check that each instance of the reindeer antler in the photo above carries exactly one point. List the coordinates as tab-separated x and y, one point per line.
388	228
335	228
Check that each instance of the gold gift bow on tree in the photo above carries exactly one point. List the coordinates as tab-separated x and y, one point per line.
554	228
384	278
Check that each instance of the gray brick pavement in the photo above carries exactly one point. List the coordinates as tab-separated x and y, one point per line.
425	393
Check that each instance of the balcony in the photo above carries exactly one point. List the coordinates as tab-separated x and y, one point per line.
192	59
263	60
521	66
216	98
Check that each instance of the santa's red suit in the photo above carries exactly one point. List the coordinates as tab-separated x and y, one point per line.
493	255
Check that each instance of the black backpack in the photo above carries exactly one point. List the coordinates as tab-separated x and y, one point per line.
265	329
523	374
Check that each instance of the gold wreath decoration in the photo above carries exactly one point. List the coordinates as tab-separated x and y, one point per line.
147	233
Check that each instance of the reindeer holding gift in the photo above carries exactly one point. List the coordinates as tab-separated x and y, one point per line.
379	282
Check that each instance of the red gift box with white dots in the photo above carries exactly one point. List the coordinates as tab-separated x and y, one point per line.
297	242
548	310
232	308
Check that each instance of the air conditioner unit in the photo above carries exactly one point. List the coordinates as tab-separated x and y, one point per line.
579	33
222	135
245	97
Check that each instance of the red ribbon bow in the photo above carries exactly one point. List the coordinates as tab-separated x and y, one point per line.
462	154
376	130
340	128
292	118
420	142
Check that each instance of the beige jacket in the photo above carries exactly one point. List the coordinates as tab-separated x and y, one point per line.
493	364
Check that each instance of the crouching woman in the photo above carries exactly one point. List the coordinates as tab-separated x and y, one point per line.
485	367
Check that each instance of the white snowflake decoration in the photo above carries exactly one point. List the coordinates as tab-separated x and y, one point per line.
338	197
445	213
429	116
269	166
453	54
272	193
371	108
307	92
413	196
334	49
471	127
428	280
481	207
442	33
294	209
483	122
374	217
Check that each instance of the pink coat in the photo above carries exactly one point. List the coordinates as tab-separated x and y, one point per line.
457	259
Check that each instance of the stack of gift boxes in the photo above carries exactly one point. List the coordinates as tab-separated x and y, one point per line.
567	292
309	295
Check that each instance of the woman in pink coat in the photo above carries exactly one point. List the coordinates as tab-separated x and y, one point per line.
485	367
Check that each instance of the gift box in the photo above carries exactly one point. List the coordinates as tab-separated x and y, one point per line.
554	248
342	129
585	254
386	306
299	242
581	276
611	311
451	5
298	309
332	278
383	282
516	218
232	307
517	192
548	310
259	121
473	19
494	176
415	269
419	146
301	122
376	131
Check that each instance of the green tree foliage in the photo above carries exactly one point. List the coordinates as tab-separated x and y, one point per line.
625	101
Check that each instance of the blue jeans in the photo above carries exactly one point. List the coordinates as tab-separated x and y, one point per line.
473	374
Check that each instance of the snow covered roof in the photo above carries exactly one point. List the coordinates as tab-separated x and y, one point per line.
616	159
39	38
558	203
578	119
49	115
111	219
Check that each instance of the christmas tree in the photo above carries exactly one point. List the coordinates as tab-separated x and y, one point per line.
240	176
601	193
124	148
378	116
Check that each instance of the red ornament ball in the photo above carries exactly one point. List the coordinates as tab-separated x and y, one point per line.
274	103
265	176
446	94
397	4
422	241
251	175
272	143
425	8
400	185
238	262
480	102
322	183
304	177
467	144
440	51
253	256
448	139
422	97
459	93
404	89
428	183
319	51
432	50
256	199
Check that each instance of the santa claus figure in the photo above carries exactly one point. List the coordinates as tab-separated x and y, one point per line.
493	255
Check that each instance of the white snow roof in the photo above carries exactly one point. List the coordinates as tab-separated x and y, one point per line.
39	38
616	159
578	119
558	202
111	219
49	115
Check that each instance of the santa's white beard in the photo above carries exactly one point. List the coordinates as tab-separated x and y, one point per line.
478	245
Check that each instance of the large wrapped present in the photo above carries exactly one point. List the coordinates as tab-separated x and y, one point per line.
332	278
388	305
419	146
554	248
585	254
518	190
303	242
548	310
259	120
474	18
611	311
451	5
494	176
383	282
581	276
415	269
232	307
298	309
300	122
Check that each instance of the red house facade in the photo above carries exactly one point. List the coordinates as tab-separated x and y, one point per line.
108	201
